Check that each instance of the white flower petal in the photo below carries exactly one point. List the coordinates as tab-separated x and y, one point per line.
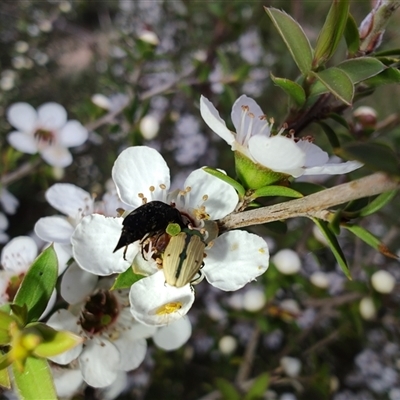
23	142
51	116
132	353
334	169
18	254
65	320
77	284
22	116
72	134
153	302
136	170
94	241
54	229
69	199
66	381
4	237
64	253
50	304
112	391
8	201
211	117
174	335
236	258
221	197
245	123
278	153
56	156
315	156
99	363
138	330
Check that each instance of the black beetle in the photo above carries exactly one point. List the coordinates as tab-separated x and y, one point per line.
148	220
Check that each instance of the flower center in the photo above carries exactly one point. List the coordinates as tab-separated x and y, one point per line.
13	286
44	137
99	312
169	308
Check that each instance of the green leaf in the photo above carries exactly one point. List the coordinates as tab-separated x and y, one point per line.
294	37
352	35
337	82
238	187
376	204
5	379
38	284
332	31
35	381
360	69
228	391
330	134
339	119
258	388
375	156
370	239
273	190
293	89
126	279
386	77
334	245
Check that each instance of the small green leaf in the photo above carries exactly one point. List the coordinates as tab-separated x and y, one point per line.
5	379
273	190
126	279
352	35
258	388
218	174
38	284
330	134
334	245
294	37
389	52
228	391
35	381
5	361
339	119
370	239
5	320
293	89
362	68
386	77
375	156
338	83
376	204
332	31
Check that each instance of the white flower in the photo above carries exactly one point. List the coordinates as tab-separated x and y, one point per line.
141	175
74	203
367	308
45	131
277	153
114	342
291	366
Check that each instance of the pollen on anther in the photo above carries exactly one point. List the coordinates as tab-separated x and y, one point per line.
162	186
245	108
152	188
251	115
140	195
188	189
262	117
205	197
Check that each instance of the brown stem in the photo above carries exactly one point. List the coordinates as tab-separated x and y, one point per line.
315	205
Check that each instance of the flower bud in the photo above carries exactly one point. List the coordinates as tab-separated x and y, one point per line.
254	300
287	262
365	116
149	127
367	308
383	282
319	279
291	366
227	345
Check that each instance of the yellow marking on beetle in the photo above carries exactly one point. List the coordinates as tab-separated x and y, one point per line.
169	308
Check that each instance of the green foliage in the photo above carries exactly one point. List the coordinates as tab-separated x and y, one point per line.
126	279
38	284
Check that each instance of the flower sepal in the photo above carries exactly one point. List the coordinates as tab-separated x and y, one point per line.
253	175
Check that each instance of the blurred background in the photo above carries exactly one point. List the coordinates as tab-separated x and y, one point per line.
132	72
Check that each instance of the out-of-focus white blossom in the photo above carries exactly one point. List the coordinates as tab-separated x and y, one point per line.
291	366
287	262
383	281
319	279
254	299
227	345
149	127
367	308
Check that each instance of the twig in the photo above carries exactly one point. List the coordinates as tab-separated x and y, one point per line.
315	205
22	171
